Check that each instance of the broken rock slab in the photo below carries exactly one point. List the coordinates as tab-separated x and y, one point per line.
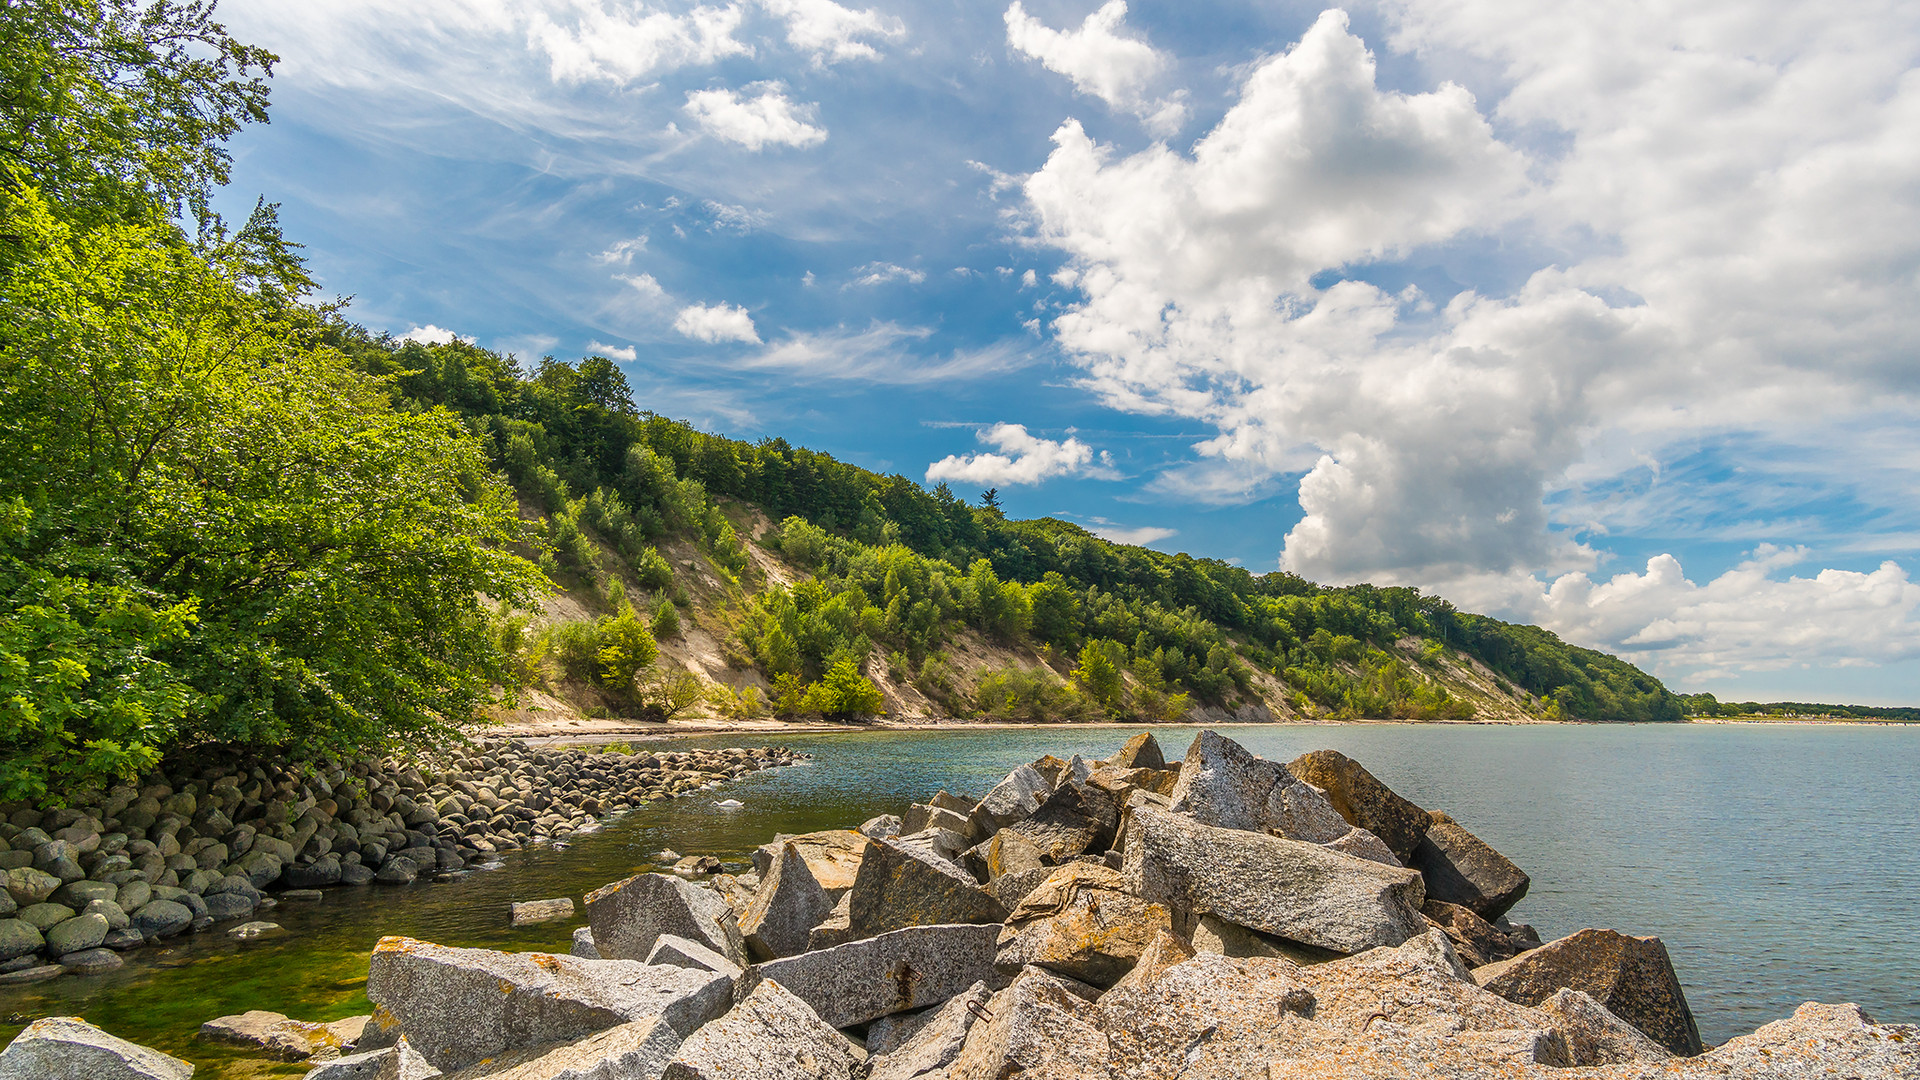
928	1042
1223	785
397	1062
895	972
1036	1027
1141	752
900	886
1632	977
1298	891
69	1048
459	1006
583	946
785	909
1362	800
636	1051
680	952
534	912
1007	852
1460	868
1081	922
628	916
832	855
1012	799
1594	1035
275	1035
770	1035
1076	819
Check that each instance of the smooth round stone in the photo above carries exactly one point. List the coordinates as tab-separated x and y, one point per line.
45	916
19	937
221	906
91	961
115	915
77	894
162	918
251	930
122	940
32	975
302	894
77	934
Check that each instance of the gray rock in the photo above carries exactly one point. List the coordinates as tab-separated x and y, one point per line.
771	1035
1460	868
1364	801
1081	923
1012	799
883	827
1224	786
134	895
398	1062
899	886
116	916
77	894
397	870
1594	1035
1212	934
249	931
459	1006
927	1042
636	1051
894	972
1074	819
1015	887
832	855
1141	752
325	871
69	1048
681	952
534	912
227	905
1035	1027
628	916
1006	852
1632	977
162	918
1287	888
920	817
785	909
91	961
40	973
45	915
19	937
583	946
76	934
356	874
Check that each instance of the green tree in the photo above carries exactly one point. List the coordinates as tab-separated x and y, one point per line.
1098	673
844	692
666	620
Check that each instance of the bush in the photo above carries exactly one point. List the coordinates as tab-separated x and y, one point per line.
844	692
666	621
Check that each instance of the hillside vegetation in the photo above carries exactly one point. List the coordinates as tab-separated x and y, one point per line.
230	514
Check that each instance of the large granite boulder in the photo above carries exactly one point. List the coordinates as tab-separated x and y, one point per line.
628	916
1075	819
1632	977
274	1035
1223	785
1298	891
1036	1027
397	1062
680	952
1164	951
19	937
1006	852
894	972
1362	800
785	909
1816	1041
1081	922
459	1006
900	886
1460	868
1141	752
69	1048
1012	799
770	1035
832	856
923	1044
636	1051
1594	1035
1478	941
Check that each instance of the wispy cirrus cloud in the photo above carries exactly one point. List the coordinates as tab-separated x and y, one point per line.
883	354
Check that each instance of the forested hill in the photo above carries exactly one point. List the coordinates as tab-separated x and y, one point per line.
228	514
899	569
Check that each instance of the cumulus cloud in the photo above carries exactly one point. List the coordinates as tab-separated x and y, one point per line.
1023	459
879	273
766	119
1100	60
612	352
1715	217
623	44
720	322
832	33
649	289
433	335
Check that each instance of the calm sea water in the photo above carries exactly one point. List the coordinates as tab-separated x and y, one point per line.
1780	864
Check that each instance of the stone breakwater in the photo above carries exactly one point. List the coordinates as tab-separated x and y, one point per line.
215	836
1216	918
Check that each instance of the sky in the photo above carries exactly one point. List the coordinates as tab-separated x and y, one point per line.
1596	316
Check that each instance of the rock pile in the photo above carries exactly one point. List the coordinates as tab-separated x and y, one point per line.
204	838
1217	918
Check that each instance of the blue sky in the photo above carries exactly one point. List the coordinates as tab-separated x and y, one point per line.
1601	319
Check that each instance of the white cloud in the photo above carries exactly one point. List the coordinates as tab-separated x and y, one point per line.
720	322
433	335
612	352
621	253
767	119
879	273
1138	535
1023	459
1101	61
623	44
881	354
649	289
833	33
1717	205
1748	619
738	219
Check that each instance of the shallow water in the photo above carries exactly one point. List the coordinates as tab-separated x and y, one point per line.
1780	864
